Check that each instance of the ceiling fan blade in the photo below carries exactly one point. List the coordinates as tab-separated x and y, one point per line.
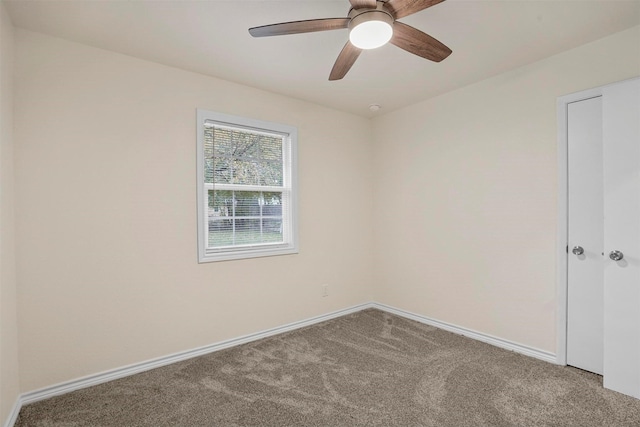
418	43
345	61
401	8
296	27
361	4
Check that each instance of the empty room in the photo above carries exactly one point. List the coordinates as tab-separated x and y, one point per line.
319	213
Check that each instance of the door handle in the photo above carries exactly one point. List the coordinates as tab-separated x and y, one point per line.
616	255
577	250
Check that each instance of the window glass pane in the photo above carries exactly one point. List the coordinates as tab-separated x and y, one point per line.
271	148
245	172
225	208
246	145
208	155
220	223
271	230
222	170
220	232
220	203
247	231
272	204
208	171
208	142
271	173
247	203
222	142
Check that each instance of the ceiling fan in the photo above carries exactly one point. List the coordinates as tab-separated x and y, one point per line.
371	24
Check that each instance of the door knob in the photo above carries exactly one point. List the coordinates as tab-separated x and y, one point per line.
616	255
577	250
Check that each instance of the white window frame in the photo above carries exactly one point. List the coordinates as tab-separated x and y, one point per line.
290	185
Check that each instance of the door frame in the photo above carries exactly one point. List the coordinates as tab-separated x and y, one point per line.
562	236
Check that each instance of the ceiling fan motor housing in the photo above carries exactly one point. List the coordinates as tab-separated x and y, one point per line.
375	14
370	15
370	28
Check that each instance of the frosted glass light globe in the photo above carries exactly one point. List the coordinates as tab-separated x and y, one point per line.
370	30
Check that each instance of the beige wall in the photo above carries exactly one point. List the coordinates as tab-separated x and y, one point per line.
463	189
106	213
465	195
9	387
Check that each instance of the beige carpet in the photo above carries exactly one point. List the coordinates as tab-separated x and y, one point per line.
365	369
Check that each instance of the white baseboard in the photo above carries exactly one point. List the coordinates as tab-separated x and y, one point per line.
13	416
102	377
479	336
112	374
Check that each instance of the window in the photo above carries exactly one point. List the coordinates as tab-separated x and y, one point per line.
246	188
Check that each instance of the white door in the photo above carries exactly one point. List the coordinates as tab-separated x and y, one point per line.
621	133
585	235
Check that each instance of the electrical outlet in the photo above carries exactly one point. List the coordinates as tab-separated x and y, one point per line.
325	290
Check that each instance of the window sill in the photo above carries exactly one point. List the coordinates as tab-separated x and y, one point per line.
214	256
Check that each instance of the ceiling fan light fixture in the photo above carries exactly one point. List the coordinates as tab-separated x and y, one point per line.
371	24
371	29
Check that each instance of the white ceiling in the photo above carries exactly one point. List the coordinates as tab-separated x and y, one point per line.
210	37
